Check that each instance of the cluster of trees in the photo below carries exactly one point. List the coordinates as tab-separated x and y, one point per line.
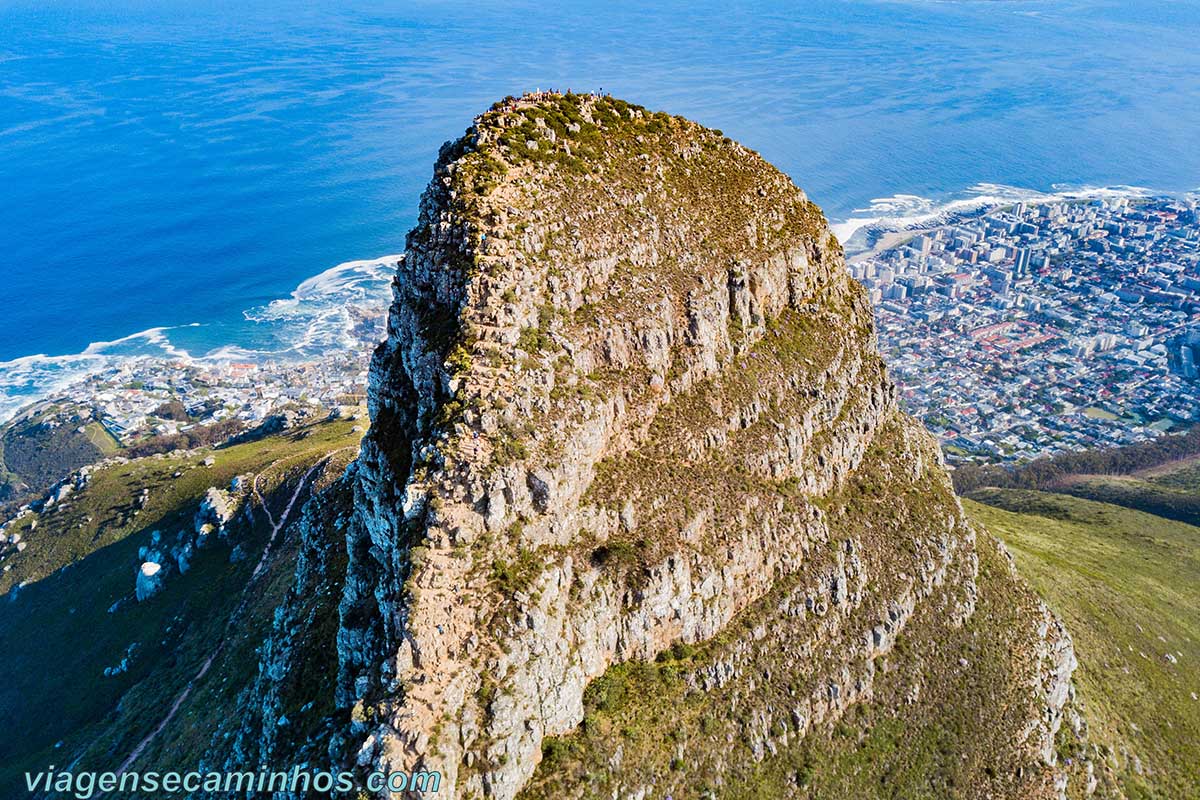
172	409
1046	472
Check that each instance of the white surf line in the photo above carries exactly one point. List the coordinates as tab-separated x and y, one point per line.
187	690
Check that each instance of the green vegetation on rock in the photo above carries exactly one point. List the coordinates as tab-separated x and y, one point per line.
731	717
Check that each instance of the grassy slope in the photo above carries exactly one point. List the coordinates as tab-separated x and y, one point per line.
1125	582
58	636
98	435
214	699
104	513
1182	474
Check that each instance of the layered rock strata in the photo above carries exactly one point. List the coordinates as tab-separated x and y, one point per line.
630	401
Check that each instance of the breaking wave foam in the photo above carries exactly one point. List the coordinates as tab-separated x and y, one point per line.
330	312
326	311
339	308
908	211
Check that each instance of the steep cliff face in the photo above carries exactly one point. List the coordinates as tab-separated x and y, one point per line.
630	411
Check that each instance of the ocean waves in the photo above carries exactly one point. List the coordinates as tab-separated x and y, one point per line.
328	311
337	311
343	308
909	212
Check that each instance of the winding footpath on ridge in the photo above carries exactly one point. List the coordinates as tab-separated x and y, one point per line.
276	526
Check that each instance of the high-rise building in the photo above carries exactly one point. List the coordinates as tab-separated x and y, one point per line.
1021	267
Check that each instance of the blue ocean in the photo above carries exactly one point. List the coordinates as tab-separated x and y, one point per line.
203	177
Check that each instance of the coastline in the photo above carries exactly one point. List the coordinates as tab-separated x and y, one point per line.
325	316
886	242
321	317
907	214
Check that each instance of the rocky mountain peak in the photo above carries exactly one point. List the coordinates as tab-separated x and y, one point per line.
630	402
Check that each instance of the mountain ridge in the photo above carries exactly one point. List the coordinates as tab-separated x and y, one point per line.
638	516
625	383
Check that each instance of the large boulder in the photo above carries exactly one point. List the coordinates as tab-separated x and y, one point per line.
149	580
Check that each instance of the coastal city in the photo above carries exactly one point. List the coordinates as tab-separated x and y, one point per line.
147	397
1013	334
1034	329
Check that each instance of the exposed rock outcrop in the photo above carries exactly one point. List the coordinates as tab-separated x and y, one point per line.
630	401
149	580
164	556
